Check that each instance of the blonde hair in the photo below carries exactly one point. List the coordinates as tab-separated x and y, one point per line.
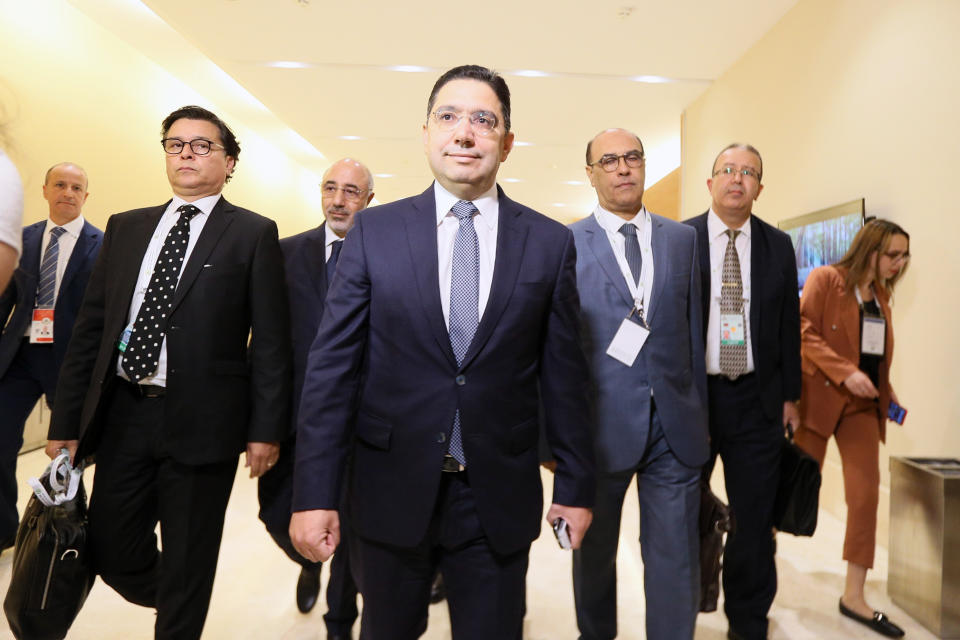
873	238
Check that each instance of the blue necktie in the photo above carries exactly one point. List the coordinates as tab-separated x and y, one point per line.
142	356
464	301
632	249
335	248
48	270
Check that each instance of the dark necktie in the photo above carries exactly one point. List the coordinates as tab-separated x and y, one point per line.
48	270
335	248
733	357
632	249
143	350
464	301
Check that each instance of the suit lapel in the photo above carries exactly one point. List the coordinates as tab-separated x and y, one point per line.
511	237
661	265
600	247
32	243
706	282
134	248
81	254
314	255
421	224
758	260
213	229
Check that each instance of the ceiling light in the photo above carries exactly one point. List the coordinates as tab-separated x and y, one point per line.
652	79
408	68
511	180
383	175
530	73
576	183
288	64
518	143
351	137
558	204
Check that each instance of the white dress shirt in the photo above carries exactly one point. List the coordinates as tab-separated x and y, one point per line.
611	224
65	245
717	234
167	222
485	223
329	237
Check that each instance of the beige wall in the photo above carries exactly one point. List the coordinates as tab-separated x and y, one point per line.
74	91
849	99
663	198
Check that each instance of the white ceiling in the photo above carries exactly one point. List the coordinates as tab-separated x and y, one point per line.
594	52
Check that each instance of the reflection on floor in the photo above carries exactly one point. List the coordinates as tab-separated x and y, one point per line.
253	597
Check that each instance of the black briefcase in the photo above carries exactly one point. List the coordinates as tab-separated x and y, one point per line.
715	520
798	495
51	574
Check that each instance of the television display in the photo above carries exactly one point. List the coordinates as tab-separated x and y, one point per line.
822	237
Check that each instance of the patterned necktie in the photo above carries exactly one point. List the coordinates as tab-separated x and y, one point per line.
48	270
335	248
632	249
143	350
733	357
464	301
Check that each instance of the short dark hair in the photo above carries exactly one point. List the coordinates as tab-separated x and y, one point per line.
475	72
745	147
590	144
192	112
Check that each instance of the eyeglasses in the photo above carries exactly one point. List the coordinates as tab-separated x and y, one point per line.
745	172
611	162
349	192
199	146
897	256
482	122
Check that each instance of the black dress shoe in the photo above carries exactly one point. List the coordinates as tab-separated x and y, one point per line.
438	592
733	635
879	622
337	636
308	588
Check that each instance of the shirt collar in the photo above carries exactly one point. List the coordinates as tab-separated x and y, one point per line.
487	204
74	227
611	222
329	237
717	227
205	204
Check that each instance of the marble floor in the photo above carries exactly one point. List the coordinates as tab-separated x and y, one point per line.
253	597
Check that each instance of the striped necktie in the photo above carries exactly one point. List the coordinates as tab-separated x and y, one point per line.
46	291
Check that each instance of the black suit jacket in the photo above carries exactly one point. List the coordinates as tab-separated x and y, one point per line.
383	384
774	310
228	337
306	272
21	294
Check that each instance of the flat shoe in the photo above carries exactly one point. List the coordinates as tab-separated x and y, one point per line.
879	622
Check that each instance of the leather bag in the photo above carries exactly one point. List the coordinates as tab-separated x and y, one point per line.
798	494
715	520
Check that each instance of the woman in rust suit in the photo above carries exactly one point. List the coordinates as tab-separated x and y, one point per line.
846	387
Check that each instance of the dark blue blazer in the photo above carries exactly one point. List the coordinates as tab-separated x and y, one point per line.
22	291
671	363
382	381
774	310
306	273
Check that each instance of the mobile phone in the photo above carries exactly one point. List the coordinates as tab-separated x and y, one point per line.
896	413
561	533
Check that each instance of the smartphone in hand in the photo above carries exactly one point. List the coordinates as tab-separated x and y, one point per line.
561	533
896	413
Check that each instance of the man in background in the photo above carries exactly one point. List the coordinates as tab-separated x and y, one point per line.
38	311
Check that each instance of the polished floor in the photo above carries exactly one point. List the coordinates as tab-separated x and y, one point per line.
253	597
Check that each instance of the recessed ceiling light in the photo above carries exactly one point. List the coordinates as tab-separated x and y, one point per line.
512	180
652	79
575	183
351	137
519	143
383	175
289	64
558	204
408	68
530	73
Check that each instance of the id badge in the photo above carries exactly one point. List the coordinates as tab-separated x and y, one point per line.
41	329
732	330
627	342
873	335
124	339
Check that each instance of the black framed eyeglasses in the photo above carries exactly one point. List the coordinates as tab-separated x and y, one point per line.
611	161
199	146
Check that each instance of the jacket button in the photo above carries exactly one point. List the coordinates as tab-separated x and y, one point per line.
460	380
441	437
827	383
834	327
172	371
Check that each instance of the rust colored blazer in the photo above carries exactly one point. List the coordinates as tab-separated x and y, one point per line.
830	348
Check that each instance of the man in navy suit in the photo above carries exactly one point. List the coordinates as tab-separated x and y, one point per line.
58	255
753	397
310	259
453	314
640	291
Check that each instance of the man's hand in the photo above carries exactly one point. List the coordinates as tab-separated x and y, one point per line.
578	521
53	448
261	456
859	384
791	415
315	534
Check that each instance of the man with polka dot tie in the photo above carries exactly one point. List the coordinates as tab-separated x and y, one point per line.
180	360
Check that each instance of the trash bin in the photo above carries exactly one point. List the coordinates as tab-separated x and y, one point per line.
924	577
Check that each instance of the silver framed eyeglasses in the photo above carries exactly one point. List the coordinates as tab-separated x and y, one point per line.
199	146
611	161
482	122
728	170
350	192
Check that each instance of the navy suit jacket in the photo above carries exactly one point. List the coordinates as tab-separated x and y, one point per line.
304	256
774	310
671	362
21	294
382	381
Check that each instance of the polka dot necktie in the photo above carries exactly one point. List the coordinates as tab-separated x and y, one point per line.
733	357
464	301
143	350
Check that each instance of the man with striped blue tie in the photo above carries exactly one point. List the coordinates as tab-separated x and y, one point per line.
38	310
